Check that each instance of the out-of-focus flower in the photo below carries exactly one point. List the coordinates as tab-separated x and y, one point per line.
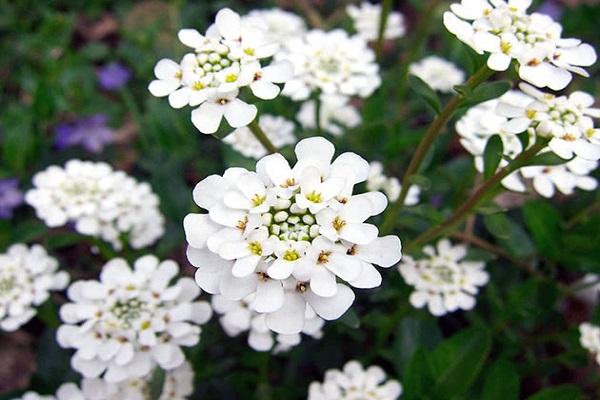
285	235
100	202
505	31
552	9
279	130
438	73
390	185
337	114
565	177
237	317
279	24
330	62
354	382
11	197
366	18
113	76
92	133
443	280
225	59
591	294
590	339
131	320
27	275
178	385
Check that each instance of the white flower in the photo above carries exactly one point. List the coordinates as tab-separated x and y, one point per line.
337	113
99	201
264	236
132	320
178	385
279	130
355	383
27	275
443	280
390	185
280	25
438	73
366	18
330	62
565	178
237	317
567	121
225	59
507	32
590	339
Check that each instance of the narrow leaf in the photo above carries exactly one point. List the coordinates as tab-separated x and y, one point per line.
423	90
492	155
501	382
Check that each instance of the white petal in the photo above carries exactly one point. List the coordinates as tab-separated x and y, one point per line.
269	296
239	113
330	308
384	251
207	117
198	228
289	319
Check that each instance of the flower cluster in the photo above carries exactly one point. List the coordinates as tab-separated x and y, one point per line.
336	114
438	73
27	275
354	383
491	118
443	280
390	185
237	317
506	31
284	235
367	16
131	320
590	339
280	26
279	131
224	60
99	202
178	385
330	62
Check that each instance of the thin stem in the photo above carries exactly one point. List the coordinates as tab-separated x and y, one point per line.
591	209
463	211
261	136
386	7
313	16
431	135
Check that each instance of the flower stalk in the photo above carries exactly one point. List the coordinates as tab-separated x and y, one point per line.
480	194
386	8
261	136
431	135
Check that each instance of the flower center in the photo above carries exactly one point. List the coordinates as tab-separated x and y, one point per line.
287	221
7	284
314	196
255	248
128	311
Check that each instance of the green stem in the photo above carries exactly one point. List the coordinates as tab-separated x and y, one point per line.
463	211
431	135
583	214
386	7
261	136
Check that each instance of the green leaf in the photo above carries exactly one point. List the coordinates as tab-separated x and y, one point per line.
543	221
18	144
492	155
498	225
418	377
546	159
484	92
423	90
157	382
564	392
457	362
501	382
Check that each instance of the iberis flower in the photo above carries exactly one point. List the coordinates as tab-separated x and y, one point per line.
390	185
438	73
443	280
178	385
99	202
279	131
566	120
485	120
354	383
289	236
237	317
590	339
336	114
27	275
330	62
224	60
367	16
131	320
507	32
280	25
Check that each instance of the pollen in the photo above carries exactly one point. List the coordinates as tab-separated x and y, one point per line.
338	223
258	76
291	255
314	197
505	47
289	182
249	51
222	101
257	200
231	78
533	62
241	225
530	113
323	257
255	248
198	85
569	137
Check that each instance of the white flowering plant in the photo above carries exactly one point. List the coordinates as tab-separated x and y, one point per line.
311	199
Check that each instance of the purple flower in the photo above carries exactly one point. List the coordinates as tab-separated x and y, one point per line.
10	197
552	9
113	76
91	133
